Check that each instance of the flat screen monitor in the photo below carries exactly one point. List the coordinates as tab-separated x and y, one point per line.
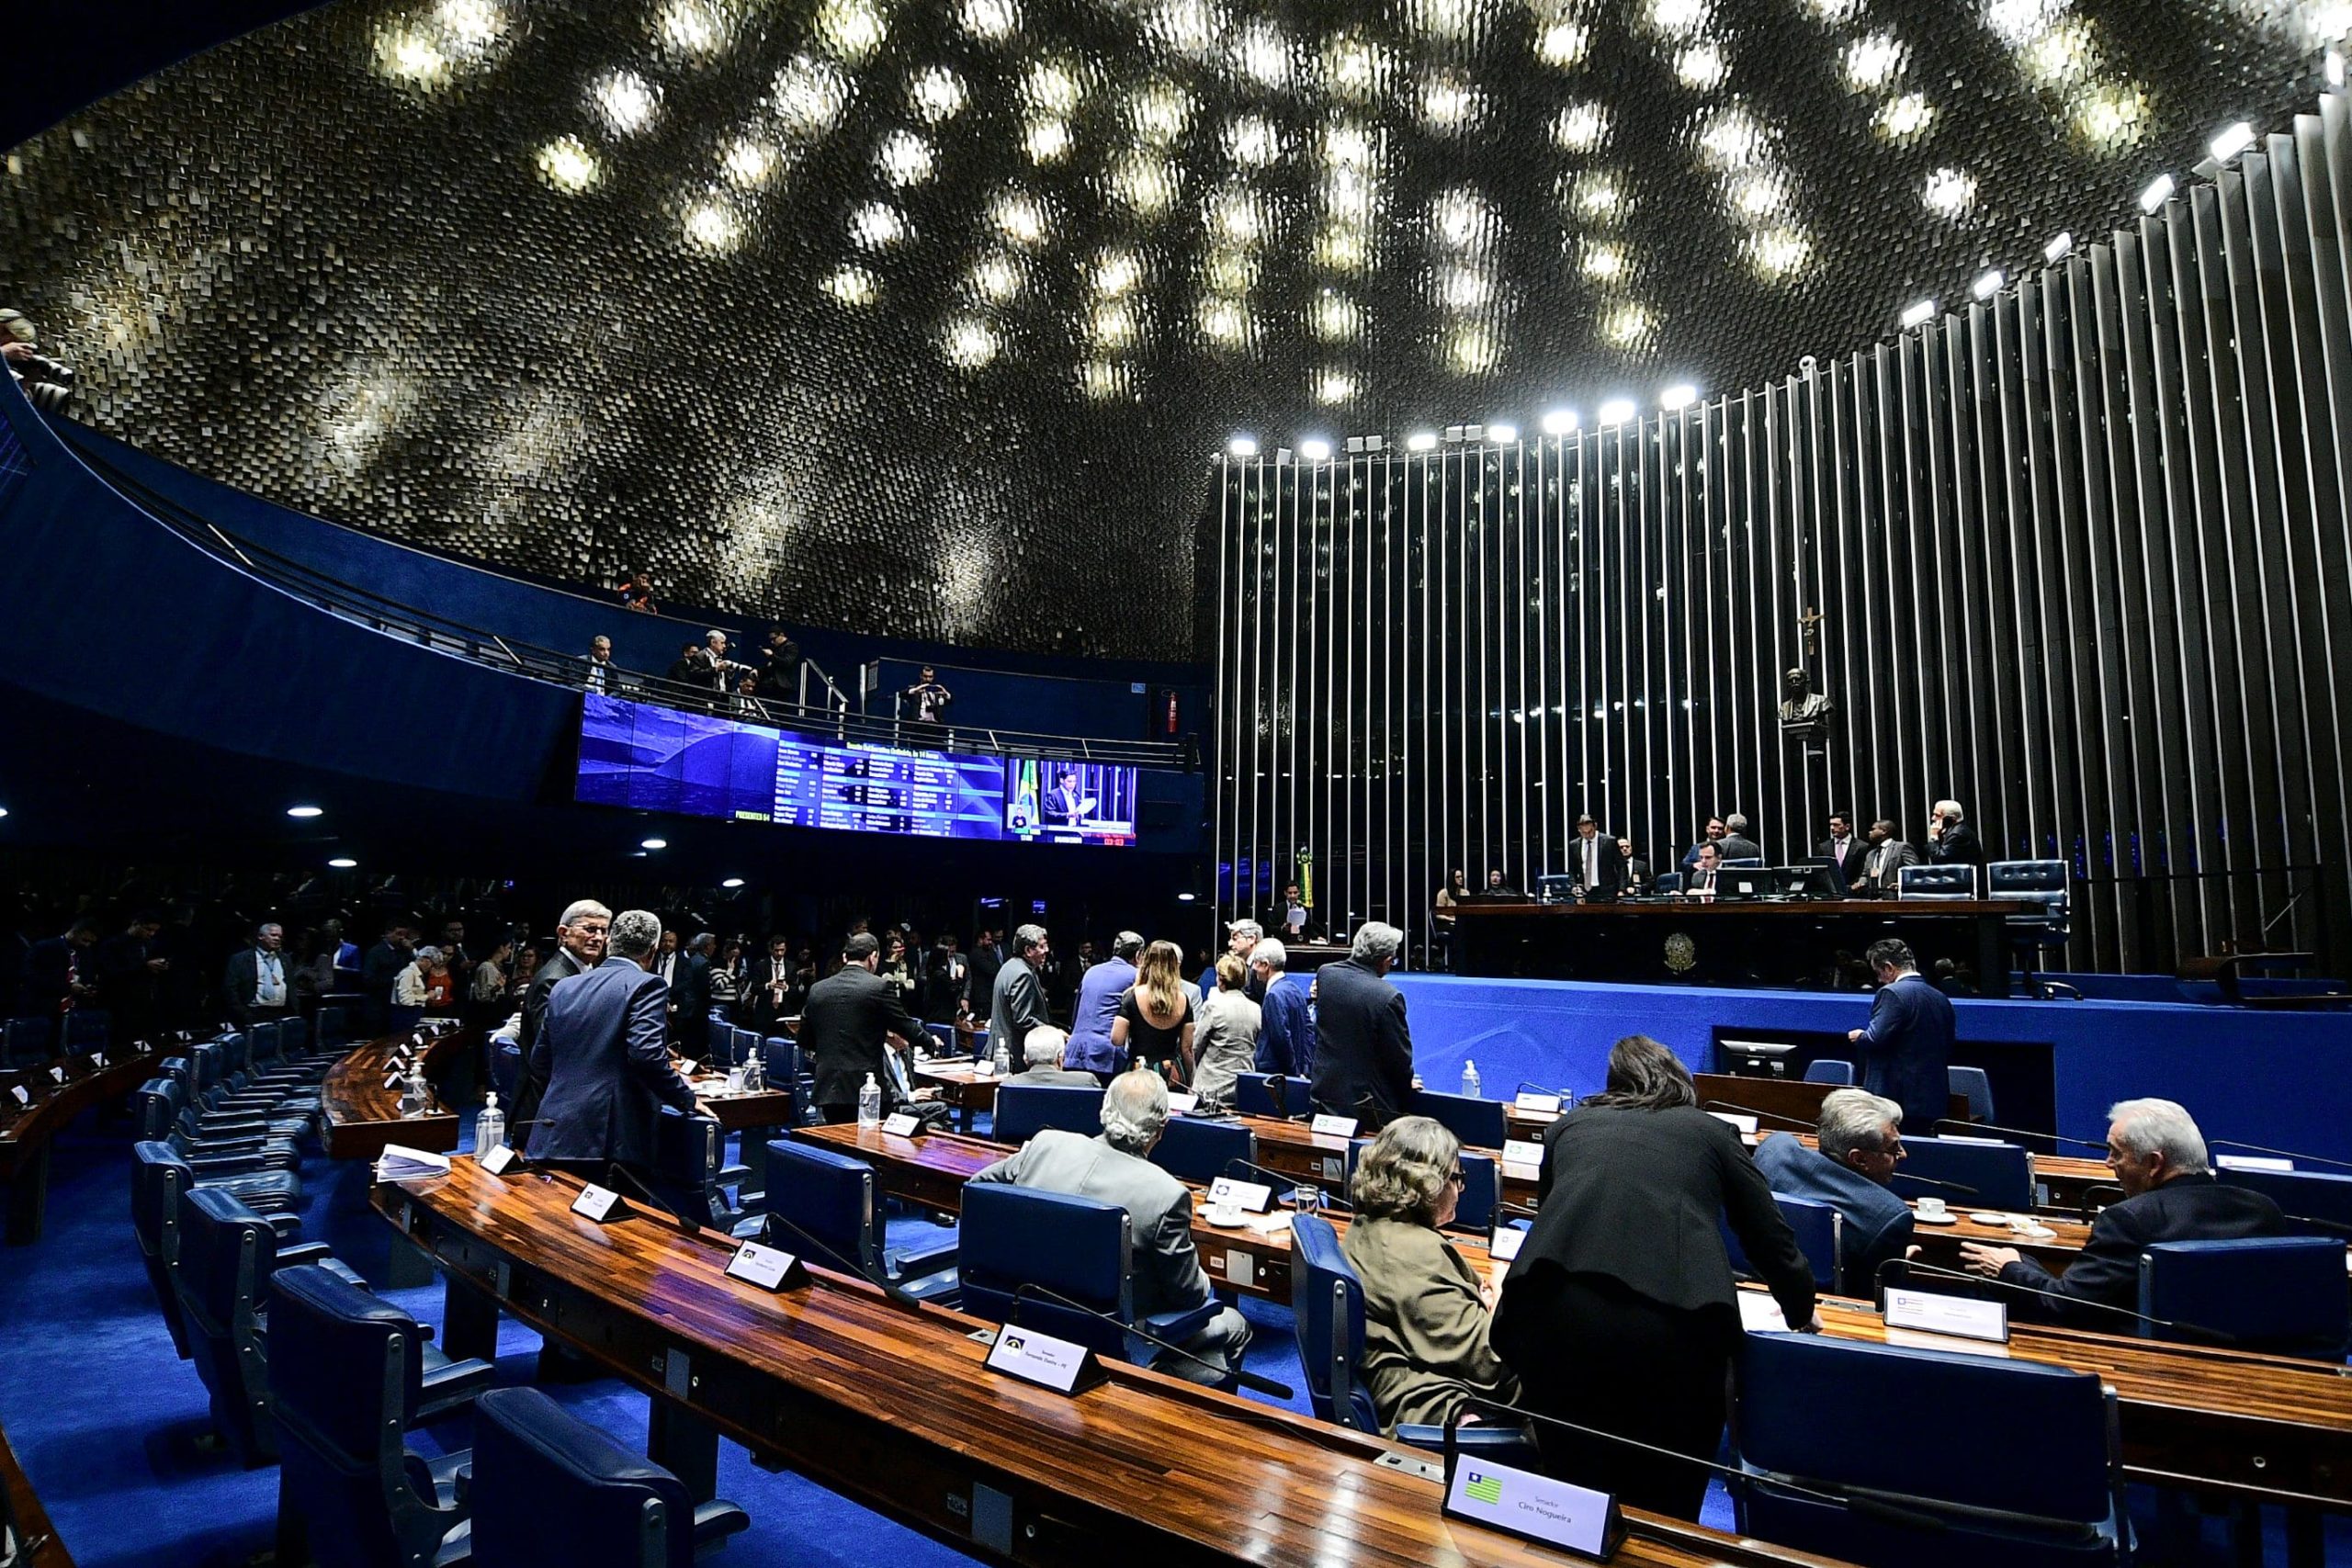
703	764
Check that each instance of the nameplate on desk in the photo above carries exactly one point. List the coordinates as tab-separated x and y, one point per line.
1743	1126
1333	1127
98	1058
1043	1360
1523	1151
1251	1196
905	1124
498	1160
23	1096
765	1267
1180	1104
1534	1507
601	1204
1930	1312
1506	1243
687	1067
57	1073
1538	1104
2251	1162
1969	1138
983	1069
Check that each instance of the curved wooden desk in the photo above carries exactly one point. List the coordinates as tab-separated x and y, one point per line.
894	1408
33	1528
58	1090
359	1115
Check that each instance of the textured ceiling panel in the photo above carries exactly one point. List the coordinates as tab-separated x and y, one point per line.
921	318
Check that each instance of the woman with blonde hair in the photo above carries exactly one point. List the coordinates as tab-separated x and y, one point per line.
1154	1028
1425	1314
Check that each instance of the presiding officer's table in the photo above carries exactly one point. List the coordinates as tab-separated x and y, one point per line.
891	1405
1773	944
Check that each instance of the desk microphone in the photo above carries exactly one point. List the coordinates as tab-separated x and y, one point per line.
2095	1193
897	1295
2019	1132
1931	1181
1567	1096
2285	1154
1288	1183
1249	1380
690	1226
1751	1111
1913	1265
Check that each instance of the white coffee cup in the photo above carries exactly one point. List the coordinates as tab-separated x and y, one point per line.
1931	1208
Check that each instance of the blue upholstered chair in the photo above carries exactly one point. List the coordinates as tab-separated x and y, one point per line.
1074	1247
1818	1227
1024	1110
1666	881
1936	882
2022	1464
1481	1187
1326	1305
158	1177
334	1028
548	1488
689	1168
1271	1094
831	1197
1744	862
1829	1070
1477	1121
28	1042
86	1030
2282	1293
347	1376
1196	1151
2002	1174
2305	1195
2044	928
1977	1085
165	1117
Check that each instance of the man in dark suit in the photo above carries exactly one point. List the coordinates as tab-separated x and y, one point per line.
254	987
1596	862
602	1052
1363	1053
1883	866
1842	850
945	978
1711	834
580	938
1950	841
987	959
1736	845
2170	1194
690	998
1017	1002
59	974
845	1032
381	968
1906	1046
1860	1145
768	990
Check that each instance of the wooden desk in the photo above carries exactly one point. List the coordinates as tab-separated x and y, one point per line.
969	1091
359	1115
1755	943
28	1130
755	1116
33	1528
2217	1420
1294	1150
1784	1103
893	1408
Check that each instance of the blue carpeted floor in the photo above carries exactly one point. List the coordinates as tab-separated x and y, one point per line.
106	1420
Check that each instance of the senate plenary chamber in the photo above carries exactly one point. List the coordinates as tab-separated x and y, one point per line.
1249	784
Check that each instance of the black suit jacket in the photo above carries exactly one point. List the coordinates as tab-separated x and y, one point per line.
1857	853
690	994
1641	1197
1959	845
1906	1051
531	1086
1611	880
762	1011
2187	1208
842	1032
1364	1051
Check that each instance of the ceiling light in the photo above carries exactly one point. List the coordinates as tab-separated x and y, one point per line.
1562	43
938	94
852	286
748	160
2231	141
877	227
1422	441
1701	66
568	165
2159	191
1334	387
306	812
989	18
2059	243
1949	192
1314	449
904	158
625	101
1242	446
1581	128
1502	434
1681	395
1919	313
1617	410
732	881
3	811
1989	283
712	226
851	28
343	863
653	843
1559	422
2334	69
1047	140
1185	897
970	345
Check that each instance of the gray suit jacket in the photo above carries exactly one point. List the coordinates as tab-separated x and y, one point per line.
1056	1078
1163	1270
1016	1005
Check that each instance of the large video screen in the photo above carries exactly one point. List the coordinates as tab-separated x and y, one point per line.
660	759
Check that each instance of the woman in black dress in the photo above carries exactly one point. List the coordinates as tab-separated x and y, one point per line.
1155	1022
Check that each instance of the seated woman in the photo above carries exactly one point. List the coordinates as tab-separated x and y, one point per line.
1425	1314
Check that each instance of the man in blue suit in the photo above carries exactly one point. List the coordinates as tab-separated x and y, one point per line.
1907	1046
1286	1025
1364	1051
602	1054
1090	1049
1860	1144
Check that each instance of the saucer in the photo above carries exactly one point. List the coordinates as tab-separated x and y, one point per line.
1945	1218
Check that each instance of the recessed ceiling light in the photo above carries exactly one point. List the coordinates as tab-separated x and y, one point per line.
653	843
1185	897
2159	191
732	881
1242	446
1559	422
343	863
2231	141
3	811
306	811
1617	410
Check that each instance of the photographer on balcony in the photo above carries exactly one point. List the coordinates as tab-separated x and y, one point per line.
45	383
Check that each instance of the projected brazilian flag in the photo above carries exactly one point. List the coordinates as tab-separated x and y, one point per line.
1488	1489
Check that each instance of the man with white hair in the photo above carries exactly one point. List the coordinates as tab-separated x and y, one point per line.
1950	841
578	947
2170	1194
255	985
1044	1058
1165	1273
1363	1053
603	1054
1861	1143
1239	938
1286	1023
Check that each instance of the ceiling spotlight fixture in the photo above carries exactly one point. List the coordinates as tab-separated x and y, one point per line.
732	881
306	811
2334	69
1560	422
1315	450
653	843
2231	141
1242	446
1919	313
1616	410
1422	441
2159	191
1502	434
343	863
2055	251
1186	897
1987	284
3	811
1681	395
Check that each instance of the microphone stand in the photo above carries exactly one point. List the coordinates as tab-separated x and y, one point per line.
1752	1111
896	1295
1242	1376
1912	1265
2021	1133
2284	1154
1289	1183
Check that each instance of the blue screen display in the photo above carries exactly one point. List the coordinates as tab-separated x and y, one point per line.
660	759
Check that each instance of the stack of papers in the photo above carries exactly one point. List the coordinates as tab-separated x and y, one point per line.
400	1163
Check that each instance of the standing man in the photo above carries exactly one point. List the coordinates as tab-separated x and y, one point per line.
1017	1001
601	676
1861	1143
854	1025
1090	1048
1713	834
1736	845
1286	1022
780	668
768	994
1597	864
925	705
380	969
1883	867
131	976
254	985
1842	850
1907	1046
980	993
1239	938
59	973
1363	1053
580	938
690	998
601	1053
1950	841
947	974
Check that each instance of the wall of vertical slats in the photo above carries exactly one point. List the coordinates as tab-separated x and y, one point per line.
2080	555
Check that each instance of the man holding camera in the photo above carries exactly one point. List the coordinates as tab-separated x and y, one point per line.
45	383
